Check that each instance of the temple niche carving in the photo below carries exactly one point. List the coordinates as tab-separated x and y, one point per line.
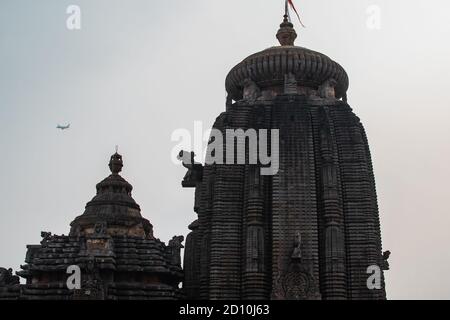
327	89
251	92
114	247
290	84
297	254
310	231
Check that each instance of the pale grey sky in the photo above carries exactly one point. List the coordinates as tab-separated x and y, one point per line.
140	69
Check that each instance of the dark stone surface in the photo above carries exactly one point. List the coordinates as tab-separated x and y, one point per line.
310	231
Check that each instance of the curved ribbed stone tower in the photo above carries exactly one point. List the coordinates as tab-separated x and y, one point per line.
310	231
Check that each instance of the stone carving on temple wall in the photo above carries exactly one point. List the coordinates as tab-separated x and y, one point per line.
175	246
195	169
46	236
327	89
386	256
100	229
251	91
290	84
267	95
7	278
297	254
297	283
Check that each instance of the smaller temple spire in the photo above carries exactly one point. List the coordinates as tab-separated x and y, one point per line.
116	163
286	34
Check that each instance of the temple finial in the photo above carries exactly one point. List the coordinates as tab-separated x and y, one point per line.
286	11
116	162
286	34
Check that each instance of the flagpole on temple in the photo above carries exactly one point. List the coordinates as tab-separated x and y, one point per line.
286	11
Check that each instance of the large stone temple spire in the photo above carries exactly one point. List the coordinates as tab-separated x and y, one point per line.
312	230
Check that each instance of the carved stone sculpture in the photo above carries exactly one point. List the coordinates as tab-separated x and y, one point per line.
251	91
290	84
46	236
297	254
7	278
100	229
195	169
175	246
327	89
386	256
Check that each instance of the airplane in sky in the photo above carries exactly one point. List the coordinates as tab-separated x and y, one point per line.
63	127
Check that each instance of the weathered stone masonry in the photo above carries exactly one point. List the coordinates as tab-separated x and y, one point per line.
310	231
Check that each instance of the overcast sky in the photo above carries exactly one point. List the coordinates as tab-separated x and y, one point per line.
140	69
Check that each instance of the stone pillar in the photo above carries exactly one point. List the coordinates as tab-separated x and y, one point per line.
254	284
333	273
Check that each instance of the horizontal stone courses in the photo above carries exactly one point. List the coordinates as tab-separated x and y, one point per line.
140	263
302	197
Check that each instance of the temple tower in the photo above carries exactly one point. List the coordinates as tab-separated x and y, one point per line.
310	231
112	245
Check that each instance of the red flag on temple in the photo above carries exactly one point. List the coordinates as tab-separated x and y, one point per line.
291	4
